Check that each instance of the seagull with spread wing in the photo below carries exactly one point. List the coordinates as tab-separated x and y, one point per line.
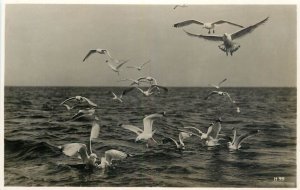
116	68
120	98
182	6
229	46
220	93
88	114
147	133
100	51
151	90
140	67
207	25
181	136
236	142
76	100
219	84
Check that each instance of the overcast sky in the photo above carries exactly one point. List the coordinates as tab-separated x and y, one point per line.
45	45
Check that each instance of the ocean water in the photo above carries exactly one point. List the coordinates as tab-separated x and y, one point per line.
35	124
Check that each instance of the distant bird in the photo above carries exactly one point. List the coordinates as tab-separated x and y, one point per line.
236	142
132	80
85	113
139	68
182	6
207	25
218	85
78	100
116	68
211	137
149	79
220	93
147	133
120	98
151	90
229	46
100	51
181	137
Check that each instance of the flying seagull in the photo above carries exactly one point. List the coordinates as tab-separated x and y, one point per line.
182	6
117	67
151	89
218	85
149	79
229	46
86	113
147	133
80	149
236	142
207	25
132	80
77	100
220	93
181	137
120	98
100	51
140	67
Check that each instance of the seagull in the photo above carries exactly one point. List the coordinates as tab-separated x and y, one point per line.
87	113
182	6
139	68
151	89
220	93
100	51
211	137
236	142
119	98
218	85
181	137
207	25
116	68
229	46
147	133
132	80
149	79
73	149
78	100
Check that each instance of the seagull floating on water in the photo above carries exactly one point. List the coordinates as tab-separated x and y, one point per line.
218	85
236	142
147	133
207	25
181	137
229	46
80	149
139	68
78	100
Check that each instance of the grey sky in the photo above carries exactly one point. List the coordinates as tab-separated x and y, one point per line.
45	45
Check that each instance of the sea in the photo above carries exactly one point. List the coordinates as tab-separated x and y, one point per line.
35	124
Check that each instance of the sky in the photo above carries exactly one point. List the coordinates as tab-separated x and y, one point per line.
45	45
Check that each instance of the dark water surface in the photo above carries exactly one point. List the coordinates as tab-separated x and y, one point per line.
35	125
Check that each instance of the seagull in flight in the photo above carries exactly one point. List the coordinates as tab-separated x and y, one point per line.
120	98
149	79
76	101
100	51
229	46
140	67
90	160
218	85
87	113
117	67
181	136
147	133
151	89
236	142
211	137
220	93
132	80
182	6
207	25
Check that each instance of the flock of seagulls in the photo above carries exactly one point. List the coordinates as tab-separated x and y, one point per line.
211	138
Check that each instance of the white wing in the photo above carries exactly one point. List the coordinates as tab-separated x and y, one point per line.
73	149
148	121
72	98
187	22
214	130
115	96
183	135
174	141
94	133
145	63
120	65
241	138
247	30
222	81
133	129
227	94
199	131
112	154
224	21
90	102
210	37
